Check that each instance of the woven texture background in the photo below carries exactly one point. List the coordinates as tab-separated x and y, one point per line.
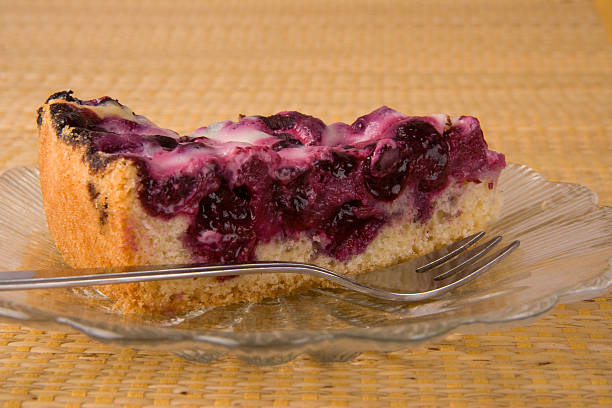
538	74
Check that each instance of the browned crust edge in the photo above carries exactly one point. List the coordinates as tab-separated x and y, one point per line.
87	230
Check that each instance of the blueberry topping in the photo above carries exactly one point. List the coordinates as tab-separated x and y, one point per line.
224	212
242	192
340	165
111	143
390	185
348	232
168	196
430	168
308	129
292	199
468	150
284	144
286	141
359	124
428	151
228	215
385	159
279	122
286	174
416	133
167	143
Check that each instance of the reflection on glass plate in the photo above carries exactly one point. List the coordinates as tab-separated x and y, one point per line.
564	256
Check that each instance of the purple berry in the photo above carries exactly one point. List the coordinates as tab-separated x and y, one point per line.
168	196
279	122
286	141
340	165
228	214
349	233
389	186
166	142
428	152
292	199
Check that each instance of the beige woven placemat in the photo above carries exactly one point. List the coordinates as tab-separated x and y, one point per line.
538	74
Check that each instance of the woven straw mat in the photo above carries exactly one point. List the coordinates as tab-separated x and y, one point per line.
538	74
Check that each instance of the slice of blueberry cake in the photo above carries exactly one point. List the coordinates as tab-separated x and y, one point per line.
119	190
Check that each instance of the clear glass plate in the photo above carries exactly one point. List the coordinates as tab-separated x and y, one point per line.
565	255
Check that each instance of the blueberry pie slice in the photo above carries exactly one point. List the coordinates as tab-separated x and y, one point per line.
119	190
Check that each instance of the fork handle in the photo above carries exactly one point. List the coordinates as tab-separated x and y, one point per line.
68	277
37	279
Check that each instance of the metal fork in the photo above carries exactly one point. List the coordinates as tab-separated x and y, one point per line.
428	276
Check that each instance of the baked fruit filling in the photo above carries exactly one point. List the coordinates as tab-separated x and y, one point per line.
239	186
248	181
